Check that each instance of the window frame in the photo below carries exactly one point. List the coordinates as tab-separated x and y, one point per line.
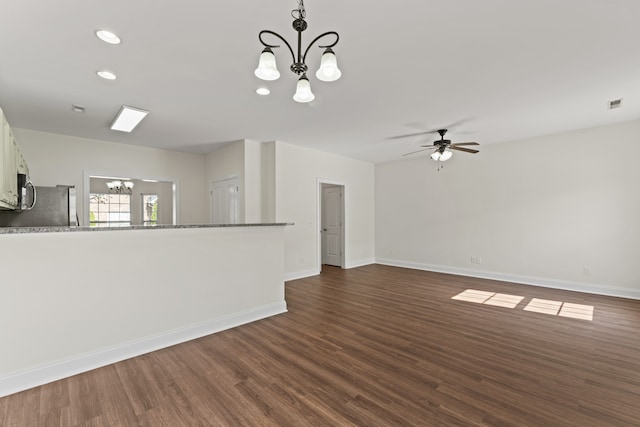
150	223
109	212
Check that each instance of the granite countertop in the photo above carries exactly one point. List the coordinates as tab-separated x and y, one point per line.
26	230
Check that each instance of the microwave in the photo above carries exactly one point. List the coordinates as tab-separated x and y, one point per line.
26	193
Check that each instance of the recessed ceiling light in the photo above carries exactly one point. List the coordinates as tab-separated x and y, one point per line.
108	37
77	108
128	118
263	91
108	75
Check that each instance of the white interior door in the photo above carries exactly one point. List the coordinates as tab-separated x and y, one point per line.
332	226
224	201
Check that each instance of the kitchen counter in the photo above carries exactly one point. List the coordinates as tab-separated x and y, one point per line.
28	230
75	299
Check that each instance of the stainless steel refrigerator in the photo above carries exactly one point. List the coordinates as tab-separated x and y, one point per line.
54	206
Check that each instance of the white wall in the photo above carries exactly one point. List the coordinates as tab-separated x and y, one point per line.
297	172
252	162
279	182
76	311
253	182
268	192
537	211
61	159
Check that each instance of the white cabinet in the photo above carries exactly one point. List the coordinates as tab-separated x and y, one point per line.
11	162
21	162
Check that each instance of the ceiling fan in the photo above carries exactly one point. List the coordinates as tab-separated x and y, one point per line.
442	146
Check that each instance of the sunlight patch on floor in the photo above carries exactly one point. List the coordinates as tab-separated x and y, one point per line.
504	300
489	298
576	311
543	306
472	295
536	305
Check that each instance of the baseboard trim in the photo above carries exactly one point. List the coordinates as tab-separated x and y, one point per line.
360	263
588	288
295	275
54	371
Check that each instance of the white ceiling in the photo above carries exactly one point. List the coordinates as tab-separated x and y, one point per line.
506	69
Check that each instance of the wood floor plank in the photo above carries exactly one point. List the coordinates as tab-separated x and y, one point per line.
375	346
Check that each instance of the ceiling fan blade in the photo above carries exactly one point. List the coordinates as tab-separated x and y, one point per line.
449	126
414	152
466	150
465	143
458	123
411	134
431	145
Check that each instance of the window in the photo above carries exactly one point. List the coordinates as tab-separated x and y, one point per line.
149	209
109	210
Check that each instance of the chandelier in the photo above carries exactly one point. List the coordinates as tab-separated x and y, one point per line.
327	72
120	187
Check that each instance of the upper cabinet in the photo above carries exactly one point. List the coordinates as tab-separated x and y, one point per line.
11	163
21	162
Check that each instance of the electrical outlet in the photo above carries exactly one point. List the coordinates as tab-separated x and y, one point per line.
476	260
586	271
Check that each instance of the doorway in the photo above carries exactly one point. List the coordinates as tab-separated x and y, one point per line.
224	201
165	188
332	229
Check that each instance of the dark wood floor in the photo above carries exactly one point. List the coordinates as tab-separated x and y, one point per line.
375	346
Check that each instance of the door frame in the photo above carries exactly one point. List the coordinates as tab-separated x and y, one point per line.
343	206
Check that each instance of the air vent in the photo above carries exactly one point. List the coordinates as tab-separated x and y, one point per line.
616	103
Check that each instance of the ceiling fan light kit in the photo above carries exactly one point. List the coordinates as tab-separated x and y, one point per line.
441	155
328	71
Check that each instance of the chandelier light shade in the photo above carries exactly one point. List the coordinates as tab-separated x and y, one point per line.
303	90
328	71
267	69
